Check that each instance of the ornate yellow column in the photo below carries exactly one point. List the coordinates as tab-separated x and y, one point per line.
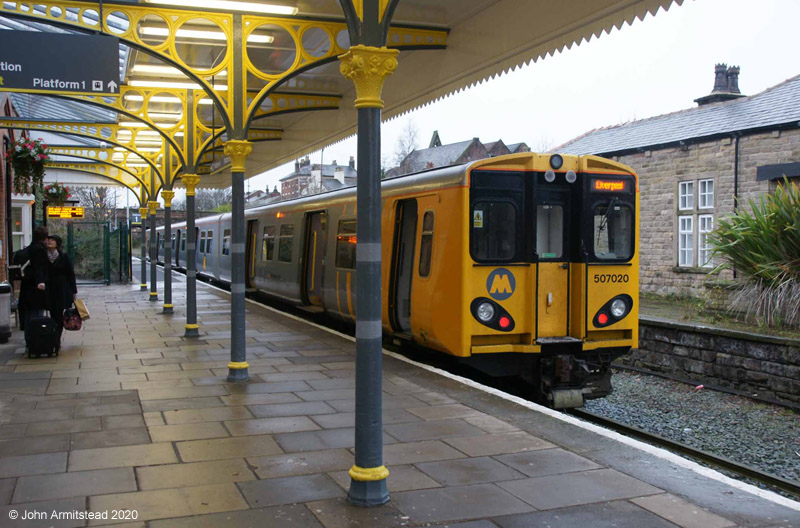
153	205
143	213
167	195
192	329
368	67
238	151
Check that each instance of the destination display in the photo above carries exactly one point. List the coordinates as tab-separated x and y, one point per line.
62	63
64	211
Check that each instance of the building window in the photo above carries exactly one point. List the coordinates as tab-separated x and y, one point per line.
705	196
705	225
685	241
17	231
686	195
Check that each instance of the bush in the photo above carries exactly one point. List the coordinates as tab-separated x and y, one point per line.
764	245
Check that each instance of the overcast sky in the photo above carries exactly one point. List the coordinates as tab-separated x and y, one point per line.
655	66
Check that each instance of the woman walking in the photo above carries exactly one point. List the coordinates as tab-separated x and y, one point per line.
61	287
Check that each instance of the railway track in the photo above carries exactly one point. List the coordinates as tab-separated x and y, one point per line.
709	459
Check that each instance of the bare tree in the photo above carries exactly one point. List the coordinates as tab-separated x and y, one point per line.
211	199
98	202
406	143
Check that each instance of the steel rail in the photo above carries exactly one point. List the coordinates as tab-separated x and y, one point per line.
717	461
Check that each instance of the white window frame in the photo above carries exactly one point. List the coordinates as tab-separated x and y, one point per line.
686	241
686	195
705	197
705	225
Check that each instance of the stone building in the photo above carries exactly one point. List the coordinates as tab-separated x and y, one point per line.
695	165
438	155
313	178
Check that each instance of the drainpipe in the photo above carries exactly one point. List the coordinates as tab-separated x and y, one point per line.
737	136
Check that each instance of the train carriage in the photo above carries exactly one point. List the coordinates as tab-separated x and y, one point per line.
521	265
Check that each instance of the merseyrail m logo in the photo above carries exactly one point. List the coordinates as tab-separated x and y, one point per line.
501	284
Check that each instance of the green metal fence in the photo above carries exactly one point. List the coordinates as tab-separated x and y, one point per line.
99	254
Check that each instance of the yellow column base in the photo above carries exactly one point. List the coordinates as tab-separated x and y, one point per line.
168	306
368	474
236	365
192	326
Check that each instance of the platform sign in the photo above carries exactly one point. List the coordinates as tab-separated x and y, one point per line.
59	63
64	211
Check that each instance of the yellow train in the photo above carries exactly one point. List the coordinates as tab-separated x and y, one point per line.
523	265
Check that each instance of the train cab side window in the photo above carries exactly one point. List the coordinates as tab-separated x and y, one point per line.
549	231
202	241
346	245
285	243
426	245
494	225
183	243
612	231
226	242
268	243
209	239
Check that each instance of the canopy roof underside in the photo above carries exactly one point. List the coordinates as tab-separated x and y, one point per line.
486	38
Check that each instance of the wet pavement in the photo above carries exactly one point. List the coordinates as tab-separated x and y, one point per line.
134	420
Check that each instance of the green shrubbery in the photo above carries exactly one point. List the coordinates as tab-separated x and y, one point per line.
764	245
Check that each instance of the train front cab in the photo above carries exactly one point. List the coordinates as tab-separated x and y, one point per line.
553	270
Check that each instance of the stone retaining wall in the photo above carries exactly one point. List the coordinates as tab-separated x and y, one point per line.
758	364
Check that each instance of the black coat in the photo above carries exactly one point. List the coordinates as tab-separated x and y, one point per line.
61	285
31	298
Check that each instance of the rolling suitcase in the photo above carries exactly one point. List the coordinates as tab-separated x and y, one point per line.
41	335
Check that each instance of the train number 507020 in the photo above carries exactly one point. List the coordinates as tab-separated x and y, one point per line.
603	278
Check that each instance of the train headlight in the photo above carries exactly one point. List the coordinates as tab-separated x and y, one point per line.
485	312
571	176
549	176
556	161
618	308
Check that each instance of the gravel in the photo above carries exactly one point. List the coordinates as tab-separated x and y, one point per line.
763	436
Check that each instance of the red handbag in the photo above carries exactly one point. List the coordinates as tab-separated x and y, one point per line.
72	320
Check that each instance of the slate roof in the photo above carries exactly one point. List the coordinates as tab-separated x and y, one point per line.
327	171
438	156
775	106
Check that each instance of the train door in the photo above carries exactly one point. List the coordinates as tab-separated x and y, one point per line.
314	261
250	253
552	250
405	231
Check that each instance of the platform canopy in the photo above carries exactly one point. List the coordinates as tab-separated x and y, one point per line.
446	46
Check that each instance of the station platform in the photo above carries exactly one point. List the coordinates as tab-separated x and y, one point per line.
134	419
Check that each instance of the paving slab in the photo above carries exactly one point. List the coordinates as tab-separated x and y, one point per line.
290	490
77	484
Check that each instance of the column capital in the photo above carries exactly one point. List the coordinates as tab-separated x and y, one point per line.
143	211
153	207
190	181
238	149
167	196
368	67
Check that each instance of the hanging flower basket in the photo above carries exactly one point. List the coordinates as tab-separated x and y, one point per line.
28	157
56	194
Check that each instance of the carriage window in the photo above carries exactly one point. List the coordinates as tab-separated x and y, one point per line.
183	243
549	231
226	242
346	245
493	230
613	231
202	241
268	243
209	239
426	245
285	243
172	243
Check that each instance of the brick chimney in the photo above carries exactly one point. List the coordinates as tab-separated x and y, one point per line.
726	85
